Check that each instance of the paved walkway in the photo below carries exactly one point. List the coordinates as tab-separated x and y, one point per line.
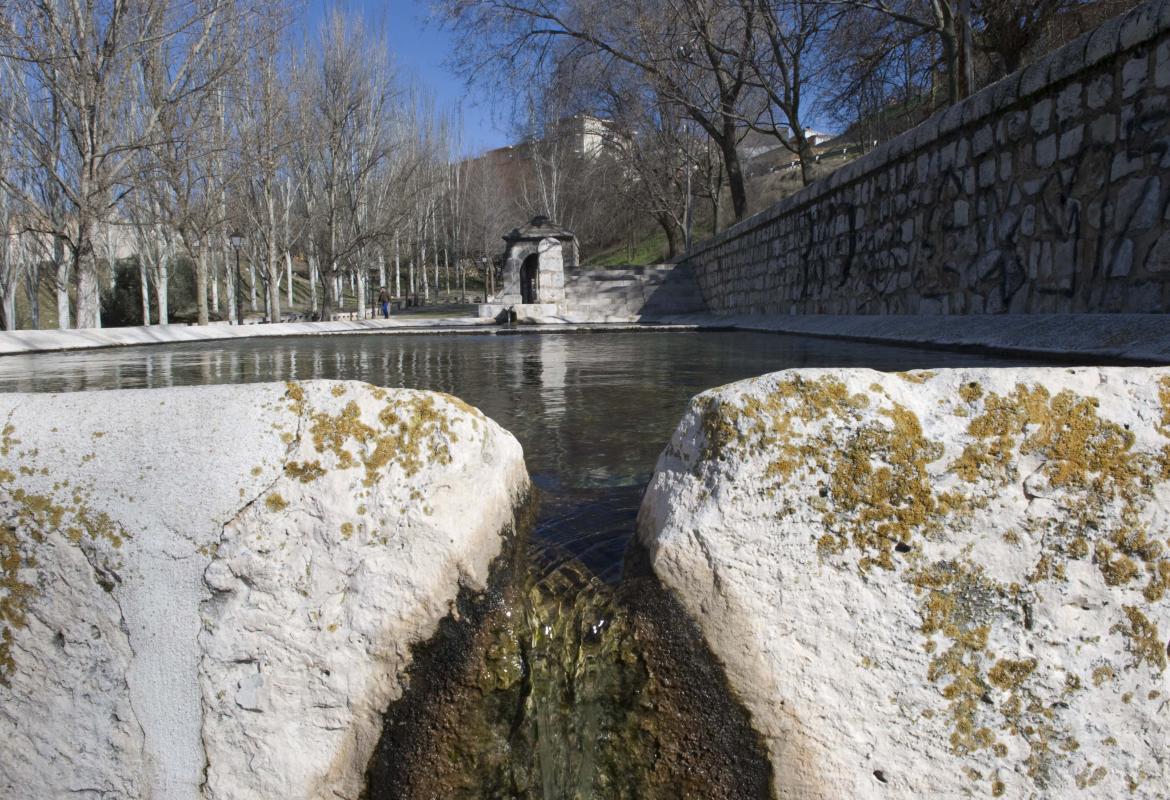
1131	338
42	341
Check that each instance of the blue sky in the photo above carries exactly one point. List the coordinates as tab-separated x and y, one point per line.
419	48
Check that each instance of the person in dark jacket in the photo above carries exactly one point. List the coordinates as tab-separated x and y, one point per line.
384	301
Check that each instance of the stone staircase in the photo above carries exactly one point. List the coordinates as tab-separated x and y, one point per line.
645	292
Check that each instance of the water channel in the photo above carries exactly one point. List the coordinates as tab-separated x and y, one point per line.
576	677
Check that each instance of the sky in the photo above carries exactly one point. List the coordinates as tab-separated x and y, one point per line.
419	48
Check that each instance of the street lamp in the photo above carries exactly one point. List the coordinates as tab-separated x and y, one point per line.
237	239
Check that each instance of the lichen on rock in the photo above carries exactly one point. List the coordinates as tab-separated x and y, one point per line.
989	542
219	603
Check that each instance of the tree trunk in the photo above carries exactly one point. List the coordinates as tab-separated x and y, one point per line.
160	291
667	223
805	153
397	269
88	296
313	270
201	284
274	292
32	288
62	278
144	283
8	303
214	279
735	180
289	275
230	275
252	281
422	260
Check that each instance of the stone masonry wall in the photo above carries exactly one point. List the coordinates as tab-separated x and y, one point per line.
1047	192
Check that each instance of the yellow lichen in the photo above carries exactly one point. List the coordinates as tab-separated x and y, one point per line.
1102	674
1142	637
1010	675
970	392
304	471
917	376
274	502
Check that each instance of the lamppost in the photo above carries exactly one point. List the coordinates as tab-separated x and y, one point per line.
237	239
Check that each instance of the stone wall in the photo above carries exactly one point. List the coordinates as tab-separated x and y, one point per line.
634	292
1047	192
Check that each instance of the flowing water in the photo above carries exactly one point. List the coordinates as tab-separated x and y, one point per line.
568	680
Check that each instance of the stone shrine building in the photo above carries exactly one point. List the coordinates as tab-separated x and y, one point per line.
534	263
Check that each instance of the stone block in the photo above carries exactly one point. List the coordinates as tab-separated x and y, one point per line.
982	141
1099	91
1068	60
1139	204
1034	78
978	105
1121	259
1125	163
987	173
1134	75
1158	259
1041	115
1103	130
1071	141
961	213
1005	166
1046	152
1068	102
1028	220
1162	65
1006	91
1103	42
1139	25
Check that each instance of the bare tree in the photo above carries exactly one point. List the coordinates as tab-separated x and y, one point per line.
83	60
694	53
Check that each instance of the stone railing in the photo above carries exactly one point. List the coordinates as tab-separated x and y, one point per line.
1048	191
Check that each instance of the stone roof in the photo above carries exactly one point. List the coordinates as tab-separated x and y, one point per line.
539	227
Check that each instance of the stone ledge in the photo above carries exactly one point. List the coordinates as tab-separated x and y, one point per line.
1128	338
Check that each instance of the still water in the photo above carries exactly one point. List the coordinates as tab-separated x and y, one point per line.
592	410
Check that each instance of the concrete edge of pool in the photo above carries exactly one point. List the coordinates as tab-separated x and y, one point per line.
1113	338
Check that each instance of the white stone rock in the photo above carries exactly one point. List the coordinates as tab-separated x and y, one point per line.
211	592
933	585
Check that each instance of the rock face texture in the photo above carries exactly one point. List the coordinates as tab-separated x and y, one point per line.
211	592
942	584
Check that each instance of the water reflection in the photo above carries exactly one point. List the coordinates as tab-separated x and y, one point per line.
592	411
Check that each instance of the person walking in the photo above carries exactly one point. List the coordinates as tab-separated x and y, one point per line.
384	301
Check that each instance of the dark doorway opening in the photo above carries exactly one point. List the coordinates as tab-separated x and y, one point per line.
528	273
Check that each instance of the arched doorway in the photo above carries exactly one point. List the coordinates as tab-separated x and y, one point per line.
528	278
